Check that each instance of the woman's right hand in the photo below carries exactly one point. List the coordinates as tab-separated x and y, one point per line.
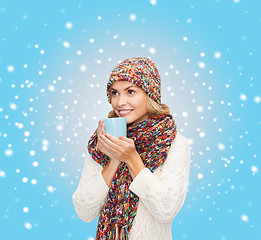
100	131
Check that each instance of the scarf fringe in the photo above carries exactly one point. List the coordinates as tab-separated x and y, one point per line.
119	234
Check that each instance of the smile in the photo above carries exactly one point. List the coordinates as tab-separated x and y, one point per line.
125	113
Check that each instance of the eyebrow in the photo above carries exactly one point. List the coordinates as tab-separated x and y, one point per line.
125	88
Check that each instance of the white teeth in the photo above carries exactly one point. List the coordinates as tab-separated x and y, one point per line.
125	111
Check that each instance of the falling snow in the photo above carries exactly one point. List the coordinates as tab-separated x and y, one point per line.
53	75
133	17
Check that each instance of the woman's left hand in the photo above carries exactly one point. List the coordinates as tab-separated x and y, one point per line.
124	150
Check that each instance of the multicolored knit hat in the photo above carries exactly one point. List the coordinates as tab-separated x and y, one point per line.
140	71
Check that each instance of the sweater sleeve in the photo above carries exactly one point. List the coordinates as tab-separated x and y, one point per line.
163	194
91	193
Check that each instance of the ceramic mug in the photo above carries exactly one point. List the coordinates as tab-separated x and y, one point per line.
116	126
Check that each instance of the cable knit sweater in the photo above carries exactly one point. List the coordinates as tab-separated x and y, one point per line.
161	193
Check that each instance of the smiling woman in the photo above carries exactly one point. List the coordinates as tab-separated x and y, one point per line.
137	184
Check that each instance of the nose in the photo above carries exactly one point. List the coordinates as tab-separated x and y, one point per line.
121	100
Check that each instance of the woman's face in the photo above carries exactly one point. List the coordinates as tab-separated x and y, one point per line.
127	96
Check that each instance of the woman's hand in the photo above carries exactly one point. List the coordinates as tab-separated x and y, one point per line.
100	145
100	131
124	150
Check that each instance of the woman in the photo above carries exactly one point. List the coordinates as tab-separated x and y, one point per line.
136	183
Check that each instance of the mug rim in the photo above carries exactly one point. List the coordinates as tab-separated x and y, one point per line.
119	118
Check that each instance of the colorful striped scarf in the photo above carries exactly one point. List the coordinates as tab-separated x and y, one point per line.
152	138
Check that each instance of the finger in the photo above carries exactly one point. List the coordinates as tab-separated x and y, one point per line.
103	149
103	129
108	147
113	139
129	140
100	142
109	142
98	129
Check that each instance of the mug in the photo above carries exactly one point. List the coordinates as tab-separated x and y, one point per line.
116	126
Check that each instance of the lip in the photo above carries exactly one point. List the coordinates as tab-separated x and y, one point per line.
125	114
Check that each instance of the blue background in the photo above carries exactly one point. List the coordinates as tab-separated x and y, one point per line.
55	60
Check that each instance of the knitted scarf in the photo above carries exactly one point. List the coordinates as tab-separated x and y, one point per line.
152	138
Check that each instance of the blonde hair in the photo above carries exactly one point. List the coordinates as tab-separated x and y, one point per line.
154	109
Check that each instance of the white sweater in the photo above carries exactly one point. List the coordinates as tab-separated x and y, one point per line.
161	193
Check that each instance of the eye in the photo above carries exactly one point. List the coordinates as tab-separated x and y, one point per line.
113	92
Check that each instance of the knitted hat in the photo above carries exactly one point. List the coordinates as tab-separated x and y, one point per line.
140	71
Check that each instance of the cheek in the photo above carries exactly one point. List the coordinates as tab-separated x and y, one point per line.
113	104
141	103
